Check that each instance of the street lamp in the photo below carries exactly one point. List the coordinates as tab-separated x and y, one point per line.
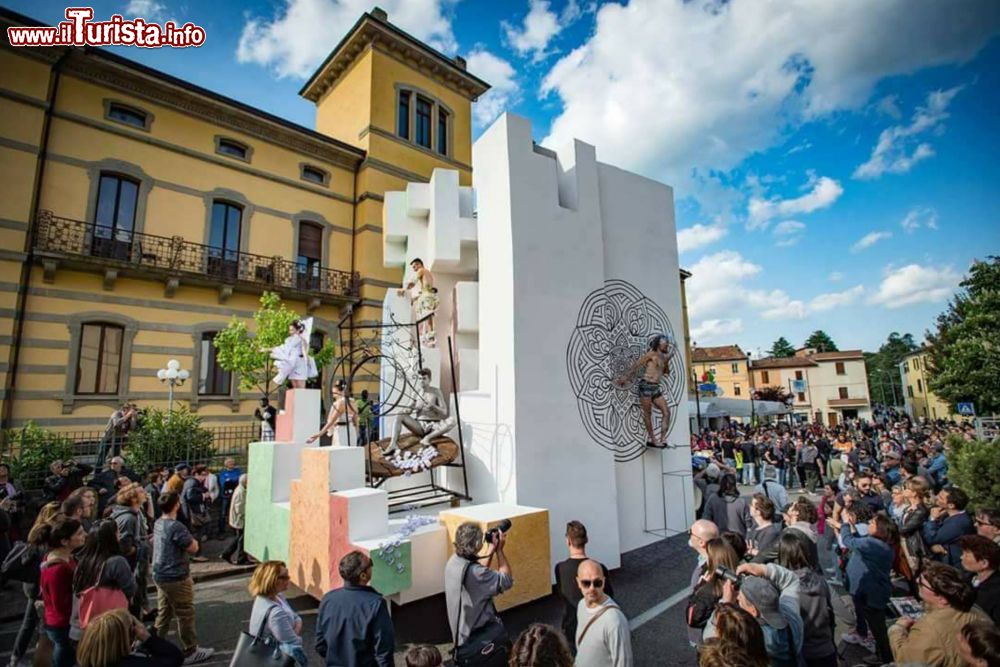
174	376
753	411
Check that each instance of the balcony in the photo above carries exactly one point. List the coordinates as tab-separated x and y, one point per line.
62	241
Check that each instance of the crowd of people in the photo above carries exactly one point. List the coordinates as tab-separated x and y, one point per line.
912	565
95	545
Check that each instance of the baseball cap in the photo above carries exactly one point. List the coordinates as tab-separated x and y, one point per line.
762	594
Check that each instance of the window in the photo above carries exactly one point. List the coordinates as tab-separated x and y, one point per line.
802	397
99	361
916	364
232	148
798	375
840	368
842	391
314	175
442	132
736	389
423	122
212	379
224	240
310	255
765	377
128	115
909	390
906	366
114	216
403	115
735	367
920	386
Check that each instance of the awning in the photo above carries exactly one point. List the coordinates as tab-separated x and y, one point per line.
735	407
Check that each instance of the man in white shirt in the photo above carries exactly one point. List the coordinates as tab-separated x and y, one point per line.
602	635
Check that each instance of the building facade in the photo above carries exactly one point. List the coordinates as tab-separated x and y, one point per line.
728	364
140	213
825	387
919	400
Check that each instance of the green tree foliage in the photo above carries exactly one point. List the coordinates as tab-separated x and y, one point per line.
33	450
821	342
781	348
167	438
974	466
884	384
775	393
245	353
965	348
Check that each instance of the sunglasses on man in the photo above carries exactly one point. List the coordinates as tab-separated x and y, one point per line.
591	583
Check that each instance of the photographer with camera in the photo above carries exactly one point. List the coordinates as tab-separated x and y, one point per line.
67	476
708	591
479	634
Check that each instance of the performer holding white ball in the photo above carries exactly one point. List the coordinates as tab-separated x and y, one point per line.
429	415
292	357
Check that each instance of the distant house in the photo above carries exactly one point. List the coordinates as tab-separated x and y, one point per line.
730	366
919	400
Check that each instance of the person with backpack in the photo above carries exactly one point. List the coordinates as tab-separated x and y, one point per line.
727	509
133	533
61	537
815	604
103	579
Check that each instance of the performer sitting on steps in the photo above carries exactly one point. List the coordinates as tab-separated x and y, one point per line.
338	409
429	415
657	365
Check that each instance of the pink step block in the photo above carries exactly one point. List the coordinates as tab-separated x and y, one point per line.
300	418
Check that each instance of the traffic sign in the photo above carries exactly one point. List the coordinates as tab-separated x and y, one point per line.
967	409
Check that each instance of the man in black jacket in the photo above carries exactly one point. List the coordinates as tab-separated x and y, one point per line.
353	627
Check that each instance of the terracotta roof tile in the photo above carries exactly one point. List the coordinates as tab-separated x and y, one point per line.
721	353
782	362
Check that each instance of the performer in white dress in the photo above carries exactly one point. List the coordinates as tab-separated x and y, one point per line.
338	408
292	357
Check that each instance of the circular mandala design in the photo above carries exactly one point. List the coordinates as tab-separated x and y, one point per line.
612	331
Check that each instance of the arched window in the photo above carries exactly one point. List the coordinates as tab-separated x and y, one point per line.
423	120
114	216
99	358
213	380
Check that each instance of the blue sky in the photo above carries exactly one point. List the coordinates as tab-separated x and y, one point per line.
833	162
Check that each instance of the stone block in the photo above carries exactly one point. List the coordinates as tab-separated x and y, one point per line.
301	416
367	513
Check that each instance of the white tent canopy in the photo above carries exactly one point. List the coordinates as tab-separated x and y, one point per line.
734	407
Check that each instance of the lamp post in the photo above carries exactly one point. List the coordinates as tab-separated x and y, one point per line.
697	400
753	411
174	376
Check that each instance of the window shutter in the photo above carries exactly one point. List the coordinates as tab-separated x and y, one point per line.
310	241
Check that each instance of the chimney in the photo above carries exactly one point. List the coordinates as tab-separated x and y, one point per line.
460	62
380	14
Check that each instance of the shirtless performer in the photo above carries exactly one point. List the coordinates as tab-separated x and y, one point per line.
429	416
656	363
338	408
424	302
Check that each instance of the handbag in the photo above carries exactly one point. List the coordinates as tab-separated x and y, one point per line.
486	646
22	563
258	650
98	599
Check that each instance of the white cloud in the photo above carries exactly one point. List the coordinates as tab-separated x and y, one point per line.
150	10
504	92
836	299
913	283
788	233
916	218
697	236
898	148
824	192
870	239
539	27
696	86
889	105
710	331
798	148
302	32
835	276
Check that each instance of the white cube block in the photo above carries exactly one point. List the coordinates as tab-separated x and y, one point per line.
467	307
302	408
428	555
285	467
367	513
347	467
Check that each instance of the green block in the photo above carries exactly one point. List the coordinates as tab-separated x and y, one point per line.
385	578
268	524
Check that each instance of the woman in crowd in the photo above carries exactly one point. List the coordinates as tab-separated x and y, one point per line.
117	639
11	509
267	585
764	535
737	628
133	536
100	563
728	509
708	590
818	646
933	638
541	646
61	537
869	579
36	551
911	527
979	644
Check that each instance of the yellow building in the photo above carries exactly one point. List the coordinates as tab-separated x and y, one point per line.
920	401
729	365
139	213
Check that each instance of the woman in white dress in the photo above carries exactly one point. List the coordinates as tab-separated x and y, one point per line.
340	407
292	357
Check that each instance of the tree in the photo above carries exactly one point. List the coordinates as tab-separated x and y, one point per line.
965	348
243	353
775	393
781	348
821	341
884	383
974	466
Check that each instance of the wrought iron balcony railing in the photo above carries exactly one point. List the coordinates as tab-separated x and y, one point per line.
176	256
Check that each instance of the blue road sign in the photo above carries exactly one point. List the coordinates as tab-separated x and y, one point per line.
967	409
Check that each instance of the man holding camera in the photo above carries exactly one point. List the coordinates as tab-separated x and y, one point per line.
479	634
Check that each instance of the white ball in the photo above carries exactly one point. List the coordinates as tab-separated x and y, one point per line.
173	364
171	373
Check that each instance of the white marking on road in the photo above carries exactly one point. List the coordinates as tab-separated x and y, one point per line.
658	608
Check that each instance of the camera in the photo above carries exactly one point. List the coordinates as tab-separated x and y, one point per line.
726	573
493	533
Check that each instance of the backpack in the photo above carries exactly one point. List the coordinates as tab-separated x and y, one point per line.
22	563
